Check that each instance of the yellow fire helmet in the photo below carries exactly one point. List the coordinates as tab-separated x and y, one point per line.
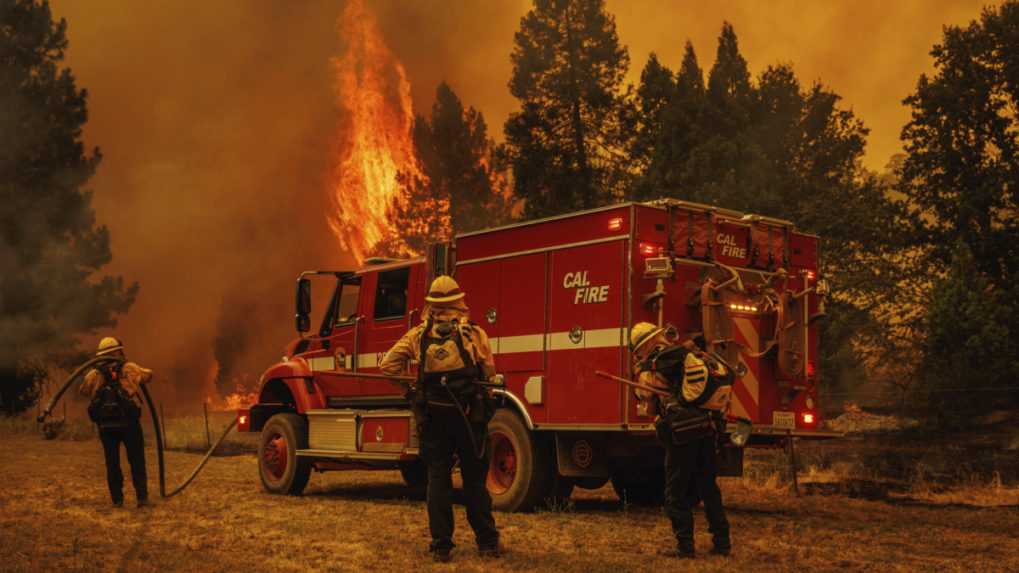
444	289
109	345
641	334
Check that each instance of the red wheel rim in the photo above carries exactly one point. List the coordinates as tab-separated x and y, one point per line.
502	470
274	456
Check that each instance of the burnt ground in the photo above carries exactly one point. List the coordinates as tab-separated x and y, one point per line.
55	515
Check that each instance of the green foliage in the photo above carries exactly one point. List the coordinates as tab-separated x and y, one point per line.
50	244
961	175
460	186
971	353
566	144
962	168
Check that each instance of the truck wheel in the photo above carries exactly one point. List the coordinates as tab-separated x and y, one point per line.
519	472
646	488
415	474
278	465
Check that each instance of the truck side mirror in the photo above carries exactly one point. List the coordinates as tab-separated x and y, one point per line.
302	305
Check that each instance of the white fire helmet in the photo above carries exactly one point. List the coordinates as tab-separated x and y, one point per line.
109	345
641	334
443	290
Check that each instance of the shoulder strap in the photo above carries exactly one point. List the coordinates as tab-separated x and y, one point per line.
458	340
422	347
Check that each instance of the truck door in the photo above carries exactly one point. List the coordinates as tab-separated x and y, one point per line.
388	316
586	330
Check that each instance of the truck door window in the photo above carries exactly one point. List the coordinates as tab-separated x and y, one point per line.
391	294
346	307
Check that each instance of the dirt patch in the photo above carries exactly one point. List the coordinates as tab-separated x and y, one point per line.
54	515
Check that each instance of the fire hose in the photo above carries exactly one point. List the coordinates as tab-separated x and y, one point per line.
155	425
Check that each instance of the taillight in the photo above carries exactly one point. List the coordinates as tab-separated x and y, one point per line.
808	419
811	369
243	421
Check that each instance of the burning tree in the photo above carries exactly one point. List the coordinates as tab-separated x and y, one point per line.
375	144
50	244
459	186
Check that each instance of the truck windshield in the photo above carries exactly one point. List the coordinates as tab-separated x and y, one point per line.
346	306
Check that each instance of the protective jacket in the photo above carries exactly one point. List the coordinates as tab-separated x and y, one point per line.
693	381
408	348
131	377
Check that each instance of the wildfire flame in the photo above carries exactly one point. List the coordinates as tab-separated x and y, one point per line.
375	143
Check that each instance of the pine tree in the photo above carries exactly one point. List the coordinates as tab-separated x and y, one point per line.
461	186
654	94
566	144
962	142
50	244
961	175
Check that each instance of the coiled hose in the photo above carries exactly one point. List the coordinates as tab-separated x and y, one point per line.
155	425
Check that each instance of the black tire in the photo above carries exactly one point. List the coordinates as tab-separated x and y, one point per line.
521	471
415	474
644	488
279	467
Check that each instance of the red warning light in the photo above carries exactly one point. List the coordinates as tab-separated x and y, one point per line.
808	418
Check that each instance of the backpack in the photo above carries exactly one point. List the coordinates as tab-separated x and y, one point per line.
694	378
112	406
444	353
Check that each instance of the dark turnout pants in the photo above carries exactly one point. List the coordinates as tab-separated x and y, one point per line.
691	472
134	443
443	435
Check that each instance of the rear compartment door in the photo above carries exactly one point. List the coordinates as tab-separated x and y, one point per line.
586	332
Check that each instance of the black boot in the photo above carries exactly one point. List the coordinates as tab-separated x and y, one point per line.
491	551
683	550
442	555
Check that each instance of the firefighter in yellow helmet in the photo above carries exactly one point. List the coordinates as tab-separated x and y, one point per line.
686	423
452	412
115	405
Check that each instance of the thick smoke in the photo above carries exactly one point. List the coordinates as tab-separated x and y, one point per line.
217	122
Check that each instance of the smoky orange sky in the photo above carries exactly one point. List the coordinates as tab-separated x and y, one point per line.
218	120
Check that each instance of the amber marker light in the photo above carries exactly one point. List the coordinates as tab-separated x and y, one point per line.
616	224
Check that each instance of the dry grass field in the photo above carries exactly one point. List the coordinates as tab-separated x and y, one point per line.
55	516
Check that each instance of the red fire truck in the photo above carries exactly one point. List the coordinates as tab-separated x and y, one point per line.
557	297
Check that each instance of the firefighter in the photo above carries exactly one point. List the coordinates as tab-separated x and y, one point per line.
114	390
452	412
686	425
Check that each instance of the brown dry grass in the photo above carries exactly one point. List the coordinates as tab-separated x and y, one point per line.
54	515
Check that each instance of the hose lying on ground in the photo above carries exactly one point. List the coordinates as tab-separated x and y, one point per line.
155	425
159	450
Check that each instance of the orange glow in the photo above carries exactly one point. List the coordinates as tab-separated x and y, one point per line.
808	418
615	224
376	144
239	400
647	249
